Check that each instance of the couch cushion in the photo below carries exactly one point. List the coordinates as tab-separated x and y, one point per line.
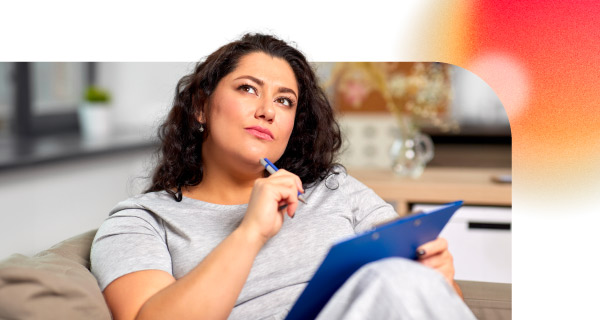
53	284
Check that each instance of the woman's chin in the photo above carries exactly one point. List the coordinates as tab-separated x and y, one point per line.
255	154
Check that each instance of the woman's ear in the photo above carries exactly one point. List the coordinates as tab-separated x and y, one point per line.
202	112
201	117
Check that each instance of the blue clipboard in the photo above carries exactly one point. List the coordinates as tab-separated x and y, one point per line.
399	238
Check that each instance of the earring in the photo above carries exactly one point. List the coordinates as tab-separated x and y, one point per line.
201	127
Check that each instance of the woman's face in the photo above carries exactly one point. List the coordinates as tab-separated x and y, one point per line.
252	112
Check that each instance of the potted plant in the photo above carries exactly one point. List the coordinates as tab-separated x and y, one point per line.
94	113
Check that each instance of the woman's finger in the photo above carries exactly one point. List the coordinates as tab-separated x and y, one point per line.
284	174
432	248
438	260
285	193
443	263
291	201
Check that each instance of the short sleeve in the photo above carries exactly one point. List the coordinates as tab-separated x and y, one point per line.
368	208
128	241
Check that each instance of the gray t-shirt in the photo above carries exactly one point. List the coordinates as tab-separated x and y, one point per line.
153	231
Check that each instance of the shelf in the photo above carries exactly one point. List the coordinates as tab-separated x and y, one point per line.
18	153
437	185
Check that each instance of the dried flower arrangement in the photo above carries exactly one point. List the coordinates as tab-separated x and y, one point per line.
418	91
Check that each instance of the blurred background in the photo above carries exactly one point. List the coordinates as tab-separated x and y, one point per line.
78	137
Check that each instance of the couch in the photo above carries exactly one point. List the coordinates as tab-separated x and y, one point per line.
57	284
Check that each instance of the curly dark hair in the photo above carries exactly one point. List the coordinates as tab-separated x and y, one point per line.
314	142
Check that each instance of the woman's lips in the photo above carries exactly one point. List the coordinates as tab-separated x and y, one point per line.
261	133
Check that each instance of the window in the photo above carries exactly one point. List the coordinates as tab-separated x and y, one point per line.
39	98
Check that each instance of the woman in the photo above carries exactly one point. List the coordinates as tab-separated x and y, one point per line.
210	238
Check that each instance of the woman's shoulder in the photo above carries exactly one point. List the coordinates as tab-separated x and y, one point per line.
143	201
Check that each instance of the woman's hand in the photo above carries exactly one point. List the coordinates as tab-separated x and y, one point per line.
435	254
263	217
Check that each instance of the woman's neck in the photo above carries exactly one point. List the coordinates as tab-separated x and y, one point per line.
223	187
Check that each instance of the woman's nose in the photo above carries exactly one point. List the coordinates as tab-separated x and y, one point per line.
265	110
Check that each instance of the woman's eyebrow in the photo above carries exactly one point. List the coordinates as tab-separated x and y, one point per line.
287	90
261	83
258	81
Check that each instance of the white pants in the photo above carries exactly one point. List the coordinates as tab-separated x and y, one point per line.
395	288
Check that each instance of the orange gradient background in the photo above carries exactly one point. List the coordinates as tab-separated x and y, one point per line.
541	58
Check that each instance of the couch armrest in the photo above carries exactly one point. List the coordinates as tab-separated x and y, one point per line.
488	300
76	248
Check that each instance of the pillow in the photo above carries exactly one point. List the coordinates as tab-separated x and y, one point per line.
53	284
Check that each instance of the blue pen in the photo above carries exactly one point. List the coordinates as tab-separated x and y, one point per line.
271	168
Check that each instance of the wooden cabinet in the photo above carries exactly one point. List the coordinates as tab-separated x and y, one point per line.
437	185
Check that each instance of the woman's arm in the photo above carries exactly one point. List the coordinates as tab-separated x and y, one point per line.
210	290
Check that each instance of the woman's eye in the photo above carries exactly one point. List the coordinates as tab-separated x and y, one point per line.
247	88
285	102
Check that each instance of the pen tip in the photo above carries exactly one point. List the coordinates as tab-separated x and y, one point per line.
301	198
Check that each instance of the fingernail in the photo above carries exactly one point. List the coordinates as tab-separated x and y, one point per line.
420	252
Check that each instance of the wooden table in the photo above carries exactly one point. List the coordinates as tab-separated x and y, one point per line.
475	186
